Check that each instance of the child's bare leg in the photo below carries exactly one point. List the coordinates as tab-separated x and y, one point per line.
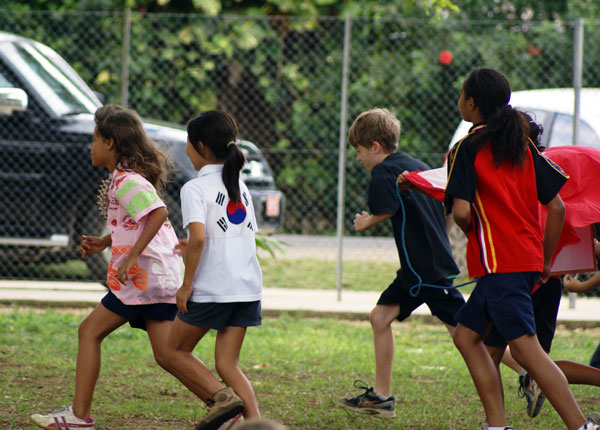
484	372
227	354
528	352
577	373
381	318
508	360
158	332
99	324
181	341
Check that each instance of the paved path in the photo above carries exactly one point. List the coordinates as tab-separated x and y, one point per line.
353	304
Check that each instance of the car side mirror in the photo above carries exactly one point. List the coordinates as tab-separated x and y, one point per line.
12	100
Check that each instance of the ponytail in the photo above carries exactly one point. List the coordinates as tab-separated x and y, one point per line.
508	133
234	161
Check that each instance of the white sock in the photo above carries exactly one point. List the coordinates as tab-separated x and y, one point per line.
522	372
496	428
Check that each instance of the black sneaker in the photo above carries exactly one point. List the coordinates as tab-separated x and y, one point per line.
532	393
368	402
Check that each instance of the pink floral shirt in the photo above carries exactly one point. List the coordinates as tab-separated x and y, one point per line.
158	272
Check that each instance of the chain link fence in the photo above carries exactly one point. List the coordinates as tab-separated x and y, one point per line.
280	77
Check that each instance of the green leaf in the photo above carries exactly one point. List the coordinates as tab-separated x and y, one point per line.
210	7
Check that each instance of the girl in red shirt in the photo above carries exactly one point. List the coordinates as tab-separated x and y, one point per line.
496	179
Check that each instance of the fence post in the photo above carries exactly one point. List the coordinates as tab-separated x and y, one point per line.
342	154
125	58
577	72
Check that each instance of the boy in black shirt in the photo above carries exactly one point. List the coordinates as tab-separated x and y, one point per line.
423	248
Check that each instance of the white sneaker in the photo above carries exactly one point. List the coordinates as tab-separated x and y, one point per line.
62	419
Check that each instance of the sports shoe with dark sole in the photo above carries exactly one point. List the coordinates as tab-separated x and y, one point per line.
227	405
368	402
229	424
529	389
594	418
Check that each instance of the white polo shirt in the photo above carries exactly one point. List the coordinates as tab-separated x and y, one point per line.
228	270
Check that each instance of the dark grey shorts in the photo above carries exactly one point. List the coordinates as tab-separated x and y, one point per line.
217	316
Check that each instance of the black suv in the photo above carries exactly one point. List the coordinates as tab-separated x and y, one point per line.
48	184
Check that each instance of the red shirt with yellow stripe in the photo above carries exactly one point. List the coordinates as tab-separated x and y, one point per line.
505	235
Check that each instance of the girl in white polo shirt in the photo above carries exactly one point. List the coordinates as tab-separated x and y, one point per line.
222	285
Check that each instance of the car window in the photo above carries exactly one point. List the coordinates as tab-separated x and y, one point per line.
56	87
539	116
4	82
562	132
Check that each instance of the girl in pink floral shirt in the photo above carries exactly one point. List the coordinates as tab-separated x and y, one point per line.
144	273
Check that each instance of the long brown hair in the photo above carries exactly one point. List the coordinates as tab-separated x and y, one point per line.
135	151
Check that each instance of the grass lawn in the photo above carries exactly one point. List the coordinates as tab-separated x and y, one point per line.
299	367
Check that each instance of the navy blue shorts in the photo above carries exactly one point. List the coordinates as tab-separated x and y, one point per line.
443	302
545	301
137	314
503	299
217	316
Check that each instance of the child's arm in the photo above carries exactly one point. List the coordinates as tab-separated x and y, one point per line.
193	252
93	244
155	220
573	285
461	213
363	221
554	224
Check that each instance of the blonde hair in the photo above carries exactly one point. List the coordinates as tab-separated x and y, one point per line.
375	125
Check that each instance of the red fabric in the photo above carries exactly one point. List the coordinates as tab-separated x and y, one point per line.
581	193
431	182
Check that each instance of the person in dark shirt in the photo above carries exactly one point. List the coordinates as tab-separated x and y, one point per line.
423	248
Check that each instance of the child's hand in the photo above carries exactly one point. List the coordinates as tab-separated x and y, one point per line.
361	221
182	297
91	245
124	268
571	284
403	183
181	247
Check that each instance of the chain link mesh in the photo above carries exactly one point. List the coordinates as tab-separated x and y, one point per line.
281	78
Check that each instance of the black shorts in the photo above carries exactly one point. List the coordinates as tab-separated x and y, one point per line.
137	314
443	302
217	316
545	301
504	299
